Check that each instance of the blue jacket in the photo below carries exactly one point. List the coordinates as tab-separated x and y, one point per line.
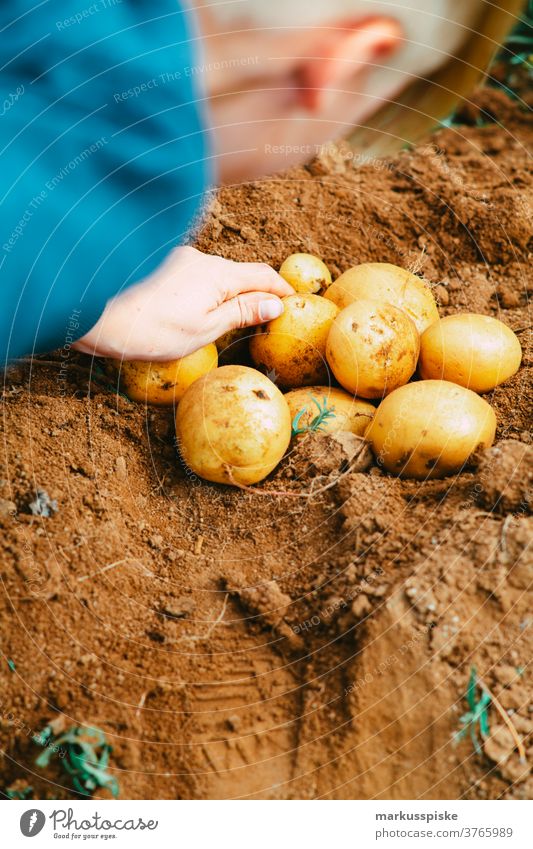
104	158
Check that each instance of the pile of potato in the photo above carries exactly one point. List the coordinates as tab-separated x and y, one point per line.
408	380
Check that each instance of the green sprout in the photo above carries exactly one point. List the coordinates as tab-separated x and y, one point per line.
84	754
324	413
477	714
518	49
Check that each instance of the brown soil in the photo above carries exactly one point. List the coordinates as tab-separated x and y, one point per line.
233	644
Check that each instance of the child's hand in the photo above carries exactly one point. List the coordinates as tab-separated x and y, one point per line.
192	299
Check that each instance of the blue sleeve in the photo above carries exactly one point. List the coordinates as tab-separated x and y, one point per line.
104	158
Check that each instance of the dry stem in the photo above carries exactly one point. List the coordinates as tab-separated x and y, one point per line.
501	710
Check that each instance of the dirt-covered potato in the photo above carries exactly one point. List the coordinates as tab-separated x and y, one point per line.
164	384
329	454
292	348
307	274
372	348
325	409
382	281
476	351
233	426
430	429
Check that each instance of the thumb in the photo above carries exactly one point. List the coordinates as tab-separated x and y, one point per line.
247	310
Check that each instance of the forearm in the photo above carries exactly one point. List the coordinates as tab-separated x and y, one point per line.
97	185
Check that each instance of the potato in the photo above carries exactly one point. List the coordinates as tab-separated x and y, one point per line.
381	281
233	426
165	383
343	411
233	345
430	429
476	351
307	274
292	348
372	348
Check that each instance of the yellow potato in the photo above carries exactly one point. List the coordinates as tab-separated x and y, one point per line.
430	429
372	348
307	274
291	349
342	411
476	351
233	345
381	281
165	384
233	426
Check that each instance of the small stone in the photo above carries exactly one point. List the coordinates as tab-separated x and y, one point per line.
121	468
267	600
248	234
361	606
500	745
179	608
523	725
58	724
514	770
7	508
42	504
424	602
506	675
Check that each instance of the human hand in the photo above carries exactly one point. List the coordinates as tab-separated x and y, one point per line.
190	300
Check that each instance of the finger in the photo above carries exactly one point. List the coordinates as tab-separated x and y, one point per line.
246	311
242	277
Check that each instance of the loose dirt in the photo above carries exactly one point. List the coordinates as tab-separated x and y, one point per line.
233	644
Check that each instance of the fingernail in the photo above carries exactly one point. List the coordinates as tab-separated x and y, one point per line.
270	309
